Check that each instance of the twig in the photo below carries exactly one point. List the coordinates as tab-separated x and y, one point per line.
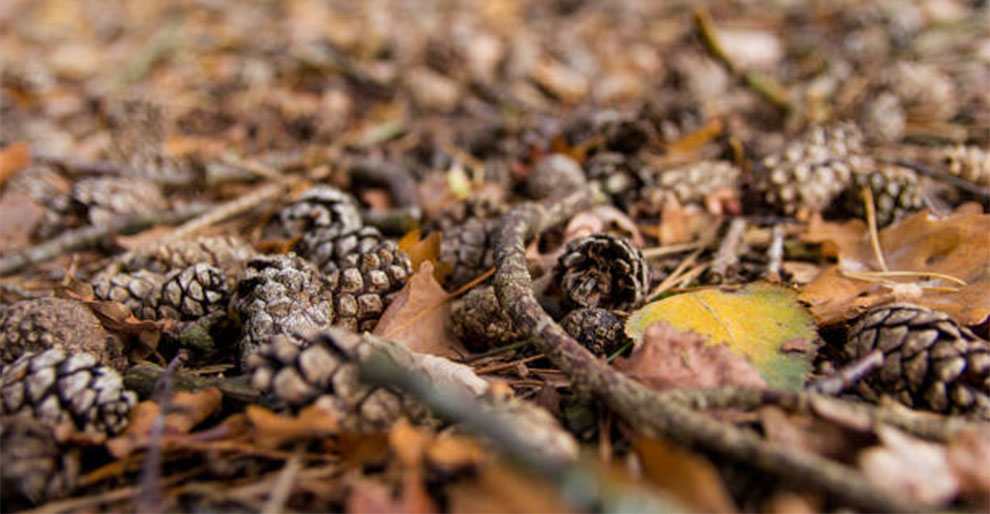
728	252
642	408
675	275
775	254
227	210
849	374
495	351
983	193
87	236
871	222
150	497
396	222
506	365
284	484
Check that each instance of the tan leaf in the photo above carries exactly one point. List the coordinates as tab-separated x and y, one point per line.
668	359
186	410
426	249
909	467
21	216
600	219
13	158
270	430
417	316
969	460
955	245
689	478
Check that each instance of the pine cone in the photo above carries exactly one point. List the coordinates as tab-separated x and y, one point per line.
364	283
694	183
55	387
895	192
228	253
330	249
137	290
926	93
617	175
318	373
34	464
281	295
969	162
101	200
192	293
809	173
604	271
474	207
45	323
480	323
930	362
320	207
554	174
598	330
469	248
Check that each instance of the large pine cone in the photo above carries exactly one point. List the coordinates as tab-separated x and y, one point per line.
468	230
895	192
45	323
34	464
930	362
810	172
281	295
603	270
55	386
194	292
481	323
968	162
320	207
228	253
318	373
137	290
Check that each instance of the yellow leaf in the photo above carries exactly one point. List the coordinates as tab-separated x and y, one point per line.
425	250
762	322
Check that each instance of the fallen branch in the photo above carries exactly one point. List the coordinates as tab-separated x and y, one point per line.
645	409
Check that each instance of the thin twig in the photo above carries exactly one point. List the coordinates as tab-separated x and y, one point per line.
775	254
150	497
284	484
849	374
645	409
87	236
506	365
728	252
983	193
871	222
496	351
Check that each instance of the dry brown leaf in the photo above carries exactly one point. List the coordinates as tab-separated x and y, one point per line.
371	497
270	430
669	358
21	216
13	158
502	489
838	442
969	460
451	453
417	316
117	318
186	410
955	245
685	476
909	467
599	219
682	224
426	249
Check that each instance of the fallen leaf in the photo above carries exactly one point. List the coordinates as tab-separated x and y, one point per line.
270	430
502	489
451	453
21	217
426	249
600	219
186	410
13	158
417	316
687	477
906	466
955	245
969	455
755	322
371	497
668	359
814	434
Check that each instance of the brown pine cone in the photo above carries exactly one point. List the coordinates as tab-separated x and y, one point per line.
228	253
364	284
45	323
469	248
474	207
618	176
810	172
35	466
926	93
192	293
554	174
930	362
317	373
55	386
321	207
281	295
330	249
598	330
602	270
968	162
137	290
480	323
895	192
101	200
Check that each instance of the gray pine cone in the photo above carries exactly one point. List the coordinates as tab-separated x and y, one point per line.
602	270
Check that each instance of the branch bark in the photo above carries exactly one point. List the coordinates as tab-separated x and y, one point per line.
643	408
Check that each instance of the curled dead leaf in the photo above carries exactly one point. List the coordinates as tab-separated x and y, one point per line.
186	410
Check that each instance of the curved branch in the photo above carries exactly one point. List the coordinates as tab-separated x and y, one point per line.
643	408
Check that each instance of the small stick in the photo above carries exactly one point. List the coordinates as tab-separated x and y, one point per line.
496	351
227	210
728	252
675	275
284	483
149	497
848	375
871	221
506	365
983	193
775	254
87	236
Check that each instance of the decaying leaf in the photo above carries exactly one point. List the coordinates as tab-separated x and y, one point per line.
21	216
13	158
500	488
686	477
906	466
270	430
814	434
668	358
761	322
425	250
598	220
955	245
417	316
185	411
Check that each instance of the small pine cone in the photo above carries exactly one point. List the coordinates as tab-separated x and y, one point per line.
930	362
34	464
926	93
192	293
895	192
474	207
554	174
603	270
281	295
469	248
598	330
45	323
968	162
39	183
694	183
317	373
617	175
809	173
55	387
480	322
364	283
228	253
137	290
330	249
101	200
883	118
320	207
